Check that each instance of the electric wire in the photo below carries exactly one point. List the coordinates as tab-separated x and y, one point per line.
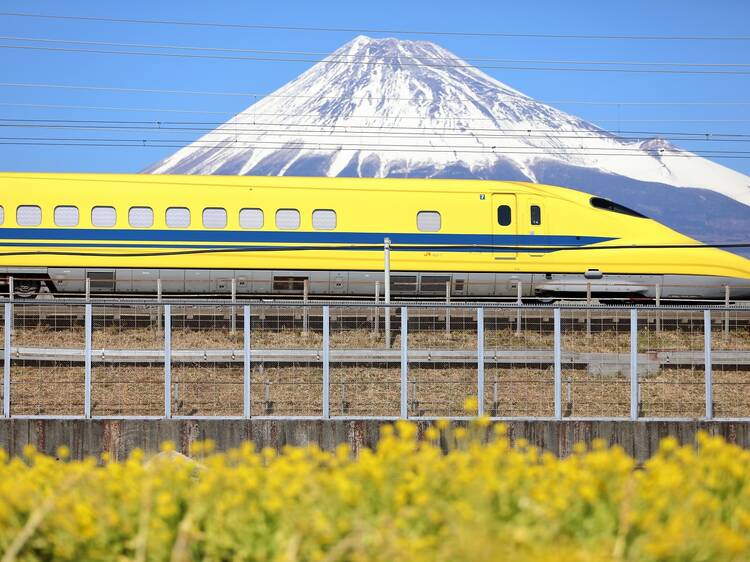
378	63
360	57
319	130
223	25
339	147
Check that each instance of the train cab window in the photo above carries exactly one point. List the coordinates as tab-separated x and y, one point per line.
251	218
607	205
141	217
28	215
324	219
428	221
66	215
103	216
2	215
177	217
536	215
287	219
504	215
214	217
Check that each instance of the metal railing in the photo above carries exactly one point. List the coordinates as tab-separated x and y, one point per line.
235	360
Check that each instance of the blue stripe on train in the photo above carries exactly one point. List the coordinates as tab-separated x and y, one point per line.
228	236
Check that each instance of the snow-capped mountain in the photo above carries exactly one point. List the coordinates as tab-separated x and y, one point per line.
393	108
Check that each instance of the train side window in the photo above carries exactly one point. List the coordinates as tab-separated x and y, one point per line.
2	215
103	216
536	215
503	215
214	217
177	217
66	215
141	217
28	215
251	218
287	219
428	221
324	219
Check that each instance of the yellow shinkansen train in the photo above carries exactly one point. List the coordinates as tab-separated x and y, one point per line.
271	234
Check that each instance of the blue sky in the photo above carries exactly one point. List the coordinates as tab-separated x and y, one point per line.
582	17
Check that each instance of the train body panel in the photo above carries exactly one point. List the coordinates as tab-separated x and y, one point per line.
197	233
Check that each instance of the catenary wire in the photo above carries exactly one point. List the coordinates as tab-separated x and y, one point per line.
376	63
339	147
260	95
315	130
360	57
633	37
259	127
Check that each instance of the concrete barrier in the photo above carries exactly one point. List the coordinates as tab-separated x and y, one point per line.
119	437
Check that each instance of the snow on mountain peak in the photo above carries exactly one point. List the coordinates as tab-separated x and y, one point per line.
391	107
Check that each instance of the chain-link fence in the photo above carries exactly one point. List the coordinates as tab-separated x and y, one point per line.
229	359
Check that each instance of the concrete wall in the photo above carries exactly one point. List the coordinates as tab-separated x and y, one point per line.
120	437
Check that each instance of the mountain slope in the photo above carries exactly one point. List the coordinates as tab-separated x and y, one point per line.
391	108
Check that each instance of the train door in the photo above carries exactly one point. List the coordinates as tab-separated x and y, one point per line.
504	225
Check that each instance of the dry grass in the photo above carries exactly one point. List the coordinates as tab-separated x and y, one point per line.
577	341
370	391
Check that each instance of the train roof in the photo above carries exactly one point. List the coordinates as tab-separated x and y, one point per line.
417	184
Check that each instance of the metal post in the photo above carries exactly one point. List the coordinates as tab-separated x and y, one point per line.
480	361
88	289
588	309
558	366
633	364
87	362
387	284
448	308
167	361
233	315
727	293
6	358
404	363
246	365
11	288
657	289
519	291
305	314
158	304
326	363
376	322
708	367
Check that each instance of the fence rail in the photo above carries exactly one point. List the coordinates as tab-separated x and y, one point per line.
230	360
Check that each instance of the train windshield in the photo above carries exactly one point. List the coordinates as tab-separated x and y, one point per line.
607	205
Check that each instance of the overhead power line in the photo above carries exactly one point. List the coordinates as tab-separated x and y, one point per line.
629	37
312	129
260	95
378	63
335	147
229	126
362	58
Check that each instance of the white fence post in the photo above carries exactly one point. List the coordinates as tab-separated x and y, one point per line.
558	365
167	361
326	363
87	361
387	287
404	363
246	365
480	361
6	358
708	367
233	316
633	364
